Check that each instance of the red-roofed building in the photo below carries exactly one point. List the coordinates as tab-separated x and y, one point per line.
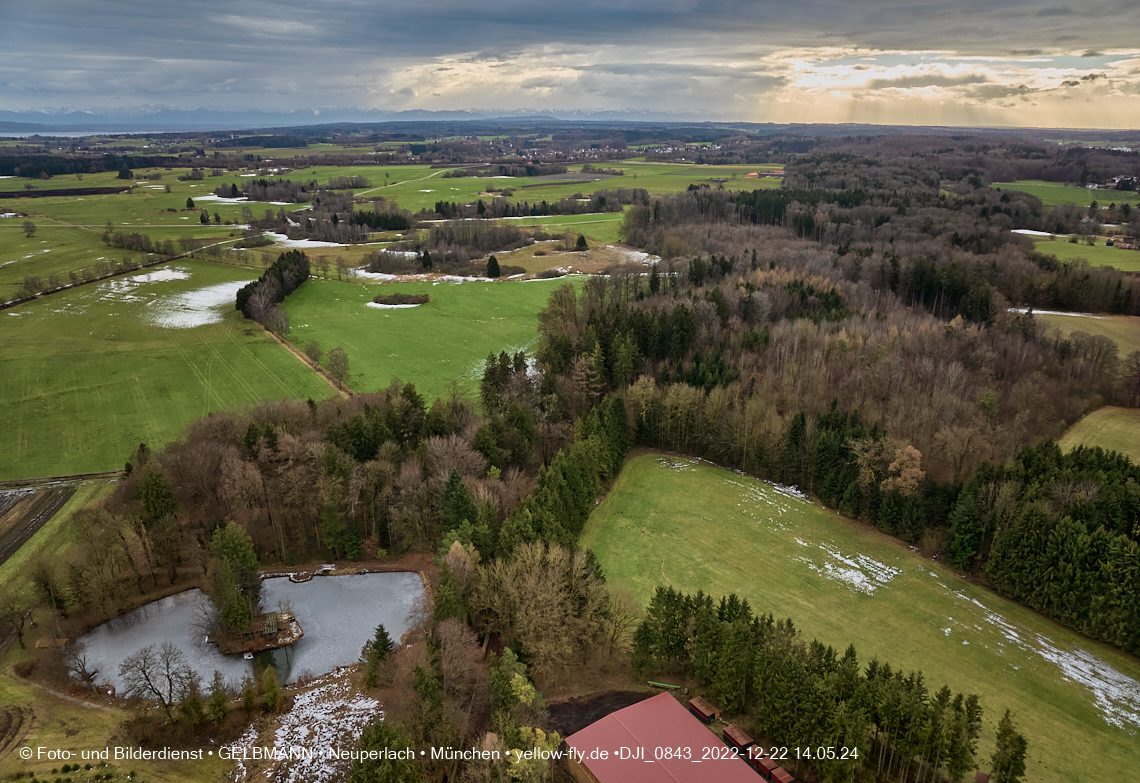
654	741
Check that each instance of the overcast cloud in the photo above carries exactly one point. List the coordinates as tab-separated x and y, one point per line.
954	63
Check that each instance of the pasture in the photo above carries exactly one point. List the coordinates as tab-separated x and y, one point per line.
1115	429
90	373
674	521
1055	194
597	228
53	250
1096	255
430	344
1124	330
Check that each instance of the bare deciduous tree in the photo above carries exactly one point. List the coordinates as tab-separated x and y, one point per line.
161	675
338	365
15	610
314	352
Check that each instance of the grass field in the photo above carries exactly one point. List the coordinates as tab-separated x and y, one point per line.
56	535
88	374
430	345
673	521
1054	194
1096	255
52	250
1116	429
602	229
1123	329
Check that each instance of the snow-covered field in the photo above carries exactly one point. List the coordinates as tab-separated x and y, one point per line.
330	716
285	241
193	308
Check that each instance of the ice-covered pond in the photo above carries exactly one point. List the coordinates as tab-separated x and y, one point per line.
337	613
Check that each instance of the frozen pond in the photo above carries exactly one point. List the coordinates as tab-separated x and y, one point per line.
337	613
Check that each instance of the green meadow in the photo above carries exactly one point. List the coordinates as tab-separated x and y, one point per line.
88	374
598	228
674	521
1124	330
431	344
1115	429
56	536
1096	255
52	250
1055	194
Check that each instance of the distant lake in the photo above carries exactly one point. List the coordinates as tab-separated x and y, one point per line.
337	613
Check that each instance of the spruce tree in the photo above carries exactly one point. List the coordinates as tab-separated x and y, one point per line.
248	694
965	532
493	266
1008	761
218	705
271	687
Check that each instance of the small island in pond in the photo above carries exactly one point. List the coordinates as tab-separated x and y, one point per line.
268	631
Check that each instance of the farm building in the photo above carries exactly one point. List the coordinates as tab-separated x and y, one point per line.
736	738
705	712
781	775
644	730
766	766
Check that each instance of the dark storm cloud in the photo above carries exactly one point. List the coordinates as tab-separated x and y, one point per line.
358	52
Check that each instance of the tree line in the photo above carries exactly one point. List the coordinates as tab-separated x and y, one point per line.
259	299
800	694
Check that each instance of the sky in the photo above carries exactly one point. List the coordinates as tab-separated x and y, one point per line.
967	62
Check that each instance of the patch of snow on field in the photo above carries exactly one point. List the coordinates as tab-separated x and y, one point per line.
194	308
634	255
1116	695
120	289
221	199
757	498
329	717
1031	233
379	306
783	489
362	272
674	463
860	572
1054	312
285	241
